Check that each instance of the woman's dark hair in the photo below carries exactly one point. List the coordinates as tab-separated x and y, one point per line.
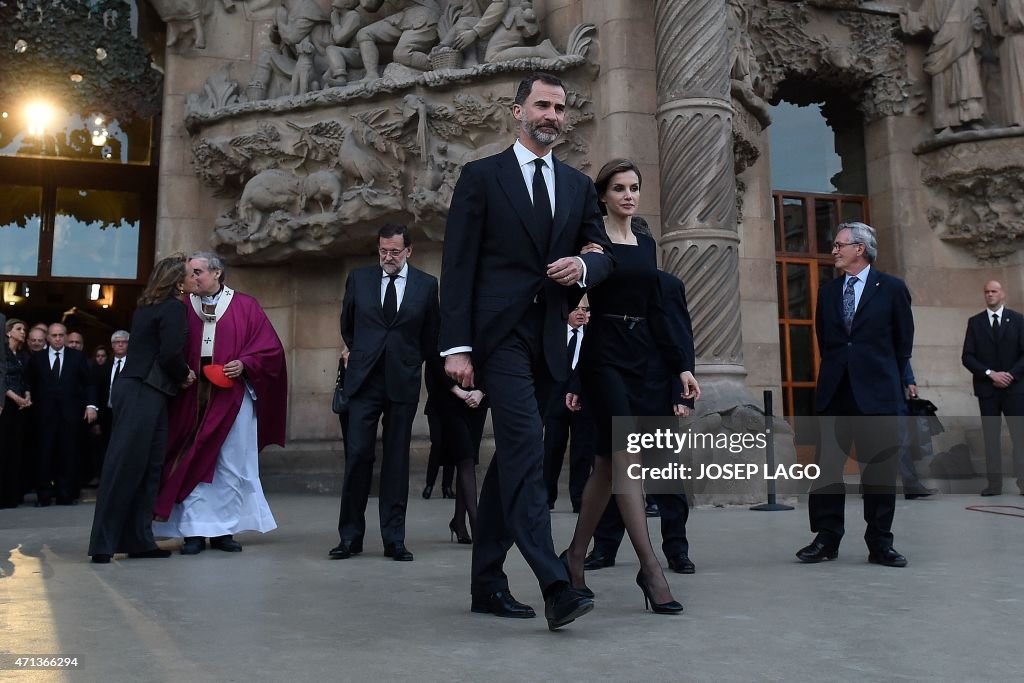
607	172
163	283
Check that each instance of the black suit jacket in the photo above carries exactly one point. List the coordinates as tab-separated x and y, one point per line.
409	340
495	257
680	331
64	399
983	351
3	362
875	351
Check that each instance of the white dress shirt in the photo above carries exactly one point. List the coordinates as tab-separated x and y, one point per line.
526	158
998	312
403	277
579	343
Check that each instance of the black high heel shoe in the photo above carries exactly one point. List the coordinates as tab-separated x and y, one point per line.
447	492
670	607
464	538
582	590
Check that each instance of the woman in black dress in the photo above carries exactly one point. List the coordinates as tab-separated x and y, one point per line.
131	470
627	327
15	401
460	417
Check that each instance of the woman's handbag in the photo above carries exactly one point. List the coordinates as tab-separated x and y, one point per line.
339	404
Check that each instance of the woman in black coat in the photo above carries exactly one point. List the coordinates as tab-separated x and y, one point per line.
15	400
155	368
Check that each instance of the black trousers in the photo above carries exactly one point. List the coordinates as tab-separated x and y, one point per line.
674	509
12	438
876	441
1012	406
562	428
123	520
57	463
366	409
513	500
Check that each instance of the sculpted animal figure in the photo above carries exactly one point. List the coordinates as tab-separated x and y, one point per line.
323	187
268	191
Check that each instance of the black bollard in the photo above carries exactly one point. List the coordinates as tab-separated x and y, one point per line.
771	505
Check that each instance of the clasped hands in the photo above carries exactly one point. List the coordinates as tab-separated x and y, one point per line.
1001	379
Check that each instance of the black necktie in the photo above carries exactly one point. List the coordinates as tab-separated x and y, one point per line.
56	365
541	200
390	300
117	372
572	347
995	324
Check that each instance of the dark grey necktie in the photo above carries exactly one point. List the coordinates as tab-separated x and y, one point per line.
55	370
117	373
541	200
995	324
849	304
573	340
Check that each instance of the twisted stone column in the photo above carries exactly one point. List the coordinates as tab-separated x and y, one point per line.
698	186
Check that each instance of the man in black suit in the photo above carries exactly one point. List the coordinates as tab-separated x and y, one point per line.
662	397
560	424
516	222
389	321
103	378
994	353
63	396
3	364
865	331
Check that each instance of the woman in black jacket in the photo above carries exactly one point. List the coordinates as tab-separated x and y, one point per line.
15	400
138	440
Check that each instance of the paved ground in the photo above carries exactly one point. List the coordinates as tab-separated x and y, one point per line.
280	611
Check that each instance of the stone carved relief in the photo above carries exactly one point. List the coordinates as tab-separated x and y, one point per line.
318	182
952	61
312	49
187	17
1006	22
977	197
788	44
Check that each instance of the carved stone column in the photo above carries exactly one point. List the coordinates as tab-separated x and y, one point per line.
698	187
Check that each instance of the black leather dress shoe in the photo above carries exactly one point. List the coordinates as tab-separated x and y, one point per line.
398	552
992	491
651	510
915	492
152	553
193	545
565	605
681	564
501	604
817	552
345	550
427	490
226	543
101	559
597	560
887	557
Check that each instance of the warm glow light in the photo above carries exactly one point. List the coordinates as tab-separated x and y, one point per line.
20	46
5	115
98	120
76	78
99	137
40	115
94	292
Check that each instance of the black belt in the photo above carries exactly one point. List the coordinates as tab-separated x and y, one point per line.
631	320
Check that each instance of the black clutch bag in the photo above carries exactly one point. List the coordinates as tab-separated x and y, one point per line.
339	404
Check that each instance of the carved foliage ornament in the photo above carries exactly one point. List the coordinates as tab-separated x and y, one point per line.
869	57
983	210
312	182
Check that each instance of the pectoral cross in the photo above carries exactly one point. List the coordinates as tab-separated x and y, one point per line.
207	340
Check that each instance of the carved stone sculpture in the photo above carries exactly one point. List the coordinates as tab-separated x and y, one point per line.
301	30
1006	20
187	16
957	94
468	25
412	30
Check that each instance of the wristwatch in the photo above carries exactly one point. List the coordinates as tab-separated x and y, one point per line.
988	372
